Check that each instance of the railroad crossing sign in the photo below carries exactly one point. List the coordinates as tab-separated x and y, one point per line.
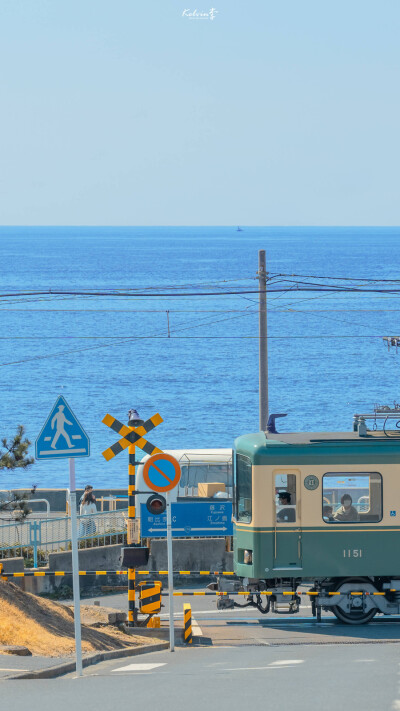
131	435
162	472
62	436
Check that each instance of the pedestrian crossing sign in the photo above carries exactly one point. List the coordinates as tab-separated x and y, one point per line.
62	436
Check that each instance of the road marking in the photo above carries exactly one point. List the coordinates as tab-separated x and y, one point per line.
286	661
140	667
286	666
196	630
13	670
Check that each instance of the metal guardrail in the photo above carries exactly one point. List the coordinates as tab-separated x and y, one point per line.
37	538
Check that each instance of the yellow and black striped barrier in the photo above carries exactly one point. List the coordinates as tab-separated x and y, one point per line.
60	573
187	623
186	572
267	592
150	597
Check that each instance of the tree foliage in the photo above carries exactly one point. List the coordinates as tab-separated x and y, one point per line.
14	455
16	504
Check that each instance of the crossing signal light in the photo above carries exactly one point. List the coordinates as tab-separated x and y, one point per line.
156	504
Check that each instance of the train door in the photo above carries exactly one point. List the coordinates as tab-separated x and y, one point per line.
287	518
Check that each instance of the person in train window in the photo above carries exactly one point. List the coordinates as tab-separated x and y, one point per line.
328	514
285	514
347	512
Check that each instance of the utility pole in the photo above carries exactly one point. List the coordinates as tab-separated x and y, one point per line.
263	343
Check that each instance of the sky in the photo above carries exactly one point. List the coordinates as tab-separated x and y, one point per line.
133	113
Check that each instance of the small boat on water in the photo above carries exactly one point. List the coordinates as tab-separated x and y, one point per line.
239	229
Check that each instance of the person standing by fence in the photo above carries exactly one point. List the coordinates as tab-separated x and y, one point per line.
88	487
87	508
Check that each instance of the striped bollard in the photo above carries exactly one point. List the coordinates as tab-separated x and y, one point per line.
187	623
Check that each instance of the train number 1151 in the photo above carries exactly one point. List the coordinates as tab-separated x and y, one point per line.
352	553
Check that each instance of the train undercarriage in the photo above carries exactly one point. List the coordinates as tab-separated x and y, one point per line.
354	601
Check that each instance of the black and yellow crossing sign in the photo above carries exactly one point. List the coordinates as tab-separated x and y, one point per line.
131	435
150	597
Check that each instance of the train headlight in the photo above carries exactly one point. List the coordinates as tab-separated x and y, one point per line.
248	557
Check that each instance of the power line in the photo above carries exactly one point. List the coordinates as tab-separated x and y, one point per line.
365	279
194	311
304	288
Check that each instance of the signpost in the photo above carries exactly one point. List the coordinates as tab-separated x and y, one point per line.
63	437
162	474
204	519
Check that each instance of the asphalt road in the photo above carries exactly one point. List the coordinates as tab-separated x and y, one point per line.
239	657
247	626
361	677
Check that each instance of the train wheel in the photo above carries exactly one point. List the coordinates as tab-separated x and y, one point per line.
355	617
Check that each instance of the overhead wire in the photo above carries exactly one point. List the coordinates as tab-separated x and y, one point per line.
180	327
125	339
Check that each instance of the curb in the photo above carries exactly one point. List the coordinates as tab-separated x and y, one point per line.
68	667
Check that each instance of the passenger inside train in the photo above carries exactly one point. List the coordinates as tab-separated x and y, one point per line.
347	512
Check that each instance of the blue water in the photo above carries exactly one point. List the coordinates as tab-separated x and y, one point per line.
107	354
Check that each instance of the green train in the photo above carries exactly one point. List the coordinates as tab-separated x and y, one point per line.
318	509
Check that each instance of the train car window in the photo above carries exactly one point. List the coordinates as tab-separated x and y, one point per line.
285	497
352	497
244	488
193	474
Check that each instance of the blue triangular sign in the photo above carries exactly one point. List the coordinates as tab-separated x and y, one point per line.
62	436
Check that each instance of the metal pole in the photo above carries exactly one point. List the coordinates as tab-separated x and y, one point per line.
170	575
33	540
75	569
131	516
263	343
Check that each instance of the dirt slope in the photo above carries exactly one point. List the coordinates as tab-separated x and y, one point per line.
47	627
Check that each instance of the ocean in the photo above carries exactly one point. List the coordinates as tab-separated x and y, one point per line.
193	359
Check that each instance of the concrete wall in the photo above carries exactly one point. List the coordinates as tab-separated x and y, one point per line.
195	554
12	565
101	558
188	554
191	554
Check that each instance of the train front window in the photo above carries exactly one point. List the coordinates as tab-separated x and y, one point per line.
352	497
244	488
285	497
